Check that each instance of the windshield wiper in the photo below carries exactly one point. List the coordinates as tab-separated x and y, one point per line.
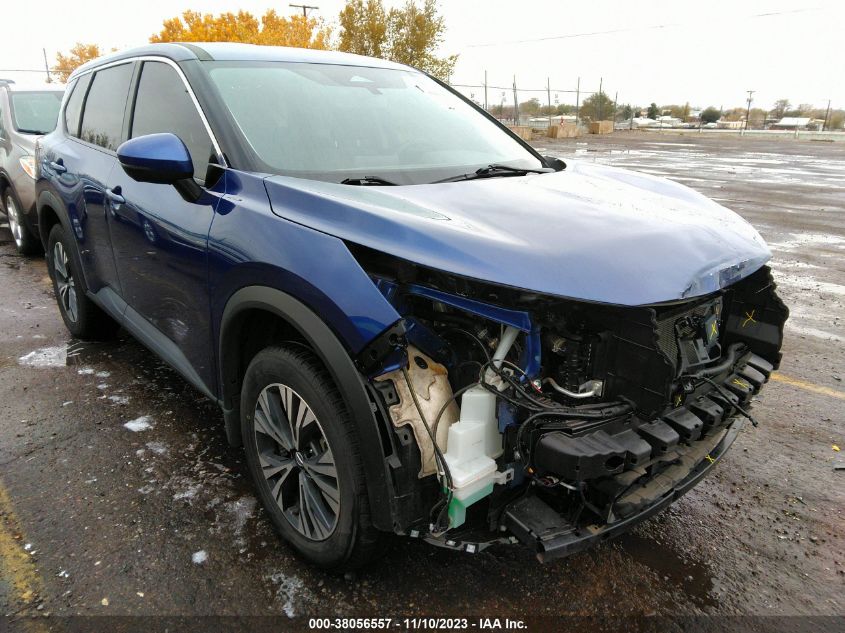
25	131
495	171
368	181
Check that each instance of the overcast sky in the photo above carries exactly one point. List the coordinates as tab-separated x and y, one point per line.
707	52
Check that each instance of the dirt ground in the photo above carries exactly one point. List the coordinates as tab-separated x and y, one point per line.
96	519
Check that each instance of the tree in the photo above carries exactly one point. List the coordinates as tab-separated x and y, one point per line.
780	108
78	55
653	111
363	28
710	115
757	117
597	107
271	30
408	35
626	112
678	111
530	107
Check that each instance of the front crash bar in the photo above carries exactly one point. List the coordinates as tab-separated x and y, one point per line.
556	541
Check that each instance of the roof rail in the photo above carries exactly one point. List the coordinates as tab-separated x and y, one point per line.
6	81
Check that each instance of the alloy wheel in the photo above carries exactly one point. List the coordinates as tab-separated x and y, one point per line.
297	461
65	283
14	221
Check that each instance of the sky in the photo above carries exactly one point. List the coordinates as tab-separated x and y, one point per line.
708	52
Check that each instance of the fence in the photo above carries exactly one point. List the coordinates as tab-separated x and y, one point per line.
509	98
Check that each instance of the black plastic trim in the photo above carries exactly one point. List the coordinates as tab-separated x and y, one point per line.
575	541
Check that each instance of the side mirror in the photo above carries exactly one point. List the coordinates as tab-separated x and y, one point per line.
555	163
156	158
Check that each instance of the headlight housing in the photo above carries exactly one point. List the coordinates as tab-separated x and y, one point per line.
28	165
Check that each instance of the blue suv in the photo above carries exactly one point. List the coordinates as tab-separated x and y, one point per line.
412	321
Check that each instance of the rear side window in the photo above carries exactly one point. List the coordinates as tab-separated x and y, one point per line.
102	120
73	109
164	105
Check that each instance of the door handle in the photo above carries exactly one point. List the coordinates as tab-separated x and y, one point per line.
58	166
114	196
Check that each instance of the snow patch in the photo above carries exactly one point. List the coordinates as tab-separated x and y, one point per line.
159	448
188	494
200	557
290	590
46	357
139	424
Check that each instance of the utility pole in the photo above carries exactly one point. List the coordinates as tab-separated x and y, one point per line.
485	90
304	8
49	80
577	100
826	114
601	94
615	99
515	104
748	108
549	96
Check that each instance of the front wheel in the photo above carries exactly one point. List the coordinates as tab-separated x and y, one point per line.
25	241
303	453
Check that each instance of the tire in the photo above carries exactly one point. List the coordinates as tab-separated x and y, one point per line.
332	527
82	317
25	241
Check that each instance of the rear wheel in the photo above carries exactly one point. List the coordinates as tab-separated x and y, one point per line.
82	317
25	241
302	451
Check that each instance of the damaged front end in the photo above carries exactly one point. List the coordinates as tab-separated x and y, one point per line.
555	422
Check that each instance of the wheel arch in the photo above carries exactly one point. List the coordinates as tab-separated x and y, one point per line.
297	323
50	212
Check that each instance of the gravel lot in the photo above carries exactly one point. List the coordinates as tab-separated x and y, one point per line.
100	519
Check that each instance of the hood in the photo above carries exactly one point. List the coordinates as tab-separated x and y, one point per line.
589	232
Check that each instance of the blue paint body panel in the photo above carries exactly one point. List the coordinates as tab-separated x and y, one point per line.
249	245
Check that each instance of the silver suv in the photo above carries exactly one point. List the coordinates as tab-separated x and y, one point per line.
26	113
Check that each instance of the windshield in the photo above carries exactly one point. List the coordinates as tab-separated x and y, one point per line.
36	112
333	122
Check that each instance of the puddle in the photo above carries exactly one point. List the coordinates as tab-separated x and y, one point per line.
692	577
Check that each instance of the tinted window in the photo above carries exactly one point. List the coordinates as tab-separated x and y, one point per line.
102	121
36	112
160	84
73	109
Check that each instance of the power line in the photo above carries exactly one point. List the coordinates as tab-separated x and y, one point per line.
304	8
652	27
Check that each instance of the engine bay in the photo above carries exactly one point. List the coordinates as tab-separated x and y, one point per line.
555	422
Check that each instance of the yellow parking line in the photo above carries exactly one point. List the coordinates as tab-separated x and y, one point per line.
808	386
16	567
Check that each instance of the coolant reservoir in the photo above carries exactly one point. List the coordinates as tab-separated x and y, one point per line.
474	443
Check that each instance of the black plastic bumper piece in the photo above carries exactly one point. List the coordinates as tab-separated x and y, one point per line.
551	536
